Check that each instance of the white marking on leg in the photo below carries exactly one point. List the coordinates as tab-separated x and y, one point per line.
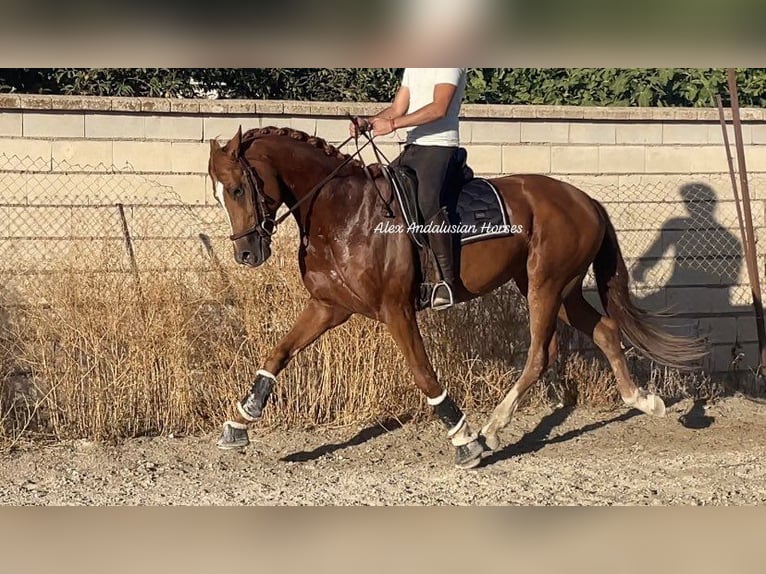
647	402
438	400
500	418
219	196
504	411
632	399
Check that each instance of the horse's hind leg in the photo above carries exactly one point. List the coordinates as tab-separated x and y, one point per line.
404	329
544	302
316	318
605	333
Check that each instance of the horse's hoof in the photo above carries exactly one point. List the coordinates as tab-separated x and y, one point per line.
649	403
490	440
656	406
486	450
234	436
469	455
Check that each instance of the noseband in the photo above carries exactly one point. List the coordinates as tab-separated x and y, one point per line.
264	226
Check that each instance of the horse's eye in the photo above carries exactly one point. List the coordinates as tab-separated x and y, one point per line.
237	192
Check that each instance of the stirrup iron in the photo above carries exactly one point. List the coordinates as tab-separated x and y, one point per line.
444	303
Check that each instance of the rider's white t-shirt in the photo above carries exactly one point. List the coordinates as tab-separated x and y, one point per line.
421	83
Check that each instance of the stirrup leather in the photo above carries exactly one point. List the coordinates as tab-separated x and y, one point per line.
451	299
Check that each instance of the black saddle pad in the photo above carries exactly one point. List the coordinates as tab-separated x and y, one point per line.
479	212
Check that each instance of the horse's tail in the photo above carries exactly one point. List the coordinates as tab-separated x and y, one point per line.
636	324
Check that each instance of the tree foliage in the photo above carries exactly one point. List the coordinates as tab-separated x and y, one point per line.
692	87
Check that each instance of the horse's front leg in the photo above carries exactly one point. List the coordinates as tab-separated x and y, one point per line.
314	320
403	326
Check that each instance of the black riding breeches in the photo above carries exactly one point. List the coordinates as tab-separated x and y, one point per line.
437	175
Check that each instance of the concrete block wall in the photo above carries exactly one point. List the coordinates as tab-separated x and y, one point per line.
636	160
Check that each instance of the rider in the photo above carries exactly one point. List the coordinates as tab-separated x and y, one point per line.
428	102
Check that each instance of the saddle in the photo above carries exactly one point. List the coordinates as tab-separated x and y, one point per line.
477	213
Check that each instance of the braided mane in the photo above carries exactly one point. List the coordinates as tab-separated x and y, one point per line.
319	143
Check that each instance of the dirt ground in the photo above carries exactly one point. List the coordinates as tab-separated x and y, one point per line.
698	454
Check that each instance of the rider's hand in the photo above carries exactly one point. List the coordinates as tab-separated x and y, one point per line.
363	126
382	126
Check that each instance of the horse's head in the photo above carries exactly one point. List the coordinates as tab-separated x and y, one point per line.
250	205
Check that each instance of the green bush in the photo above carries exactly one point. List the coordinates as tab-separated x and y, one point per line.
690	87
561	86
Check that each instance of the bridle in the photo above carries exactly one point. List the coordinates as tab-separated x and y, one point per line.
265	225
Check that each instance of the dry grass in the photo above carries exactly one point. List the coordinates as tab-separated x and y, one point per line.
96	357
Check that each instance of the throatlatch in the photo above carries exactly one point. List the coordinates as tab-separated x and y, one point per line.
252	405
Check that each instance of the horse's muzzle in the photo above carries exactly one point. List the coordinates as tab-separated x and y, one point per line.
252	253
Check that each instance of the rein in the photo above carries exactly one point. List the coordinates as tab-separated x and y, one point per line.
268	225
322	183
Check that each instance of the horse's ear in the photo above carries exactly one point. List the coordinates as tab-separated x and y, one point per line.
235	144
214	146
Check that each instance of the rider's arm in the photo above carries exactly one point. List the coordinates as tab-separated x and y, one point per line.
436	110
652	256
396	110
445	86
398	107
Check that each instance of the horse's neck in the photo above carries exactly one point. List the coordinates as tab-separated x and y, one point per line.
303	173
302	169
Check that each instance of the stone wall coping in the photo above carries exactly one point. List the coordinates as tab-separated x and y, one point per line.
338	109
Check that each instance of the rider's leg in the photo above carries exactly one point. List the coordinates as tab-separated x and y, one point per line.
433	166
442	244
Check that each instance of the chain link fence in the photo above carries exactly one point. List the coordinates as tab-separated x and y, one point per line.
120	303
65	218
681	234
680	237
682	244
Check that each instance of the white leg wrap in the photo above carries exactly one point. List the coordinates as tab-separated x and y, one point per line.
438	400
244	415
265	373
235	425
454	430
461	433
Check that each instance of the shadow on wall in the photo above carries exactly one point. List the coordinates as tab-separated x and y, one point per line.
706	267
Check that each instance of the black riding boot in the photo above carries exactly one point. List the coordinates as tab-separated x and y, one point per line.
443	247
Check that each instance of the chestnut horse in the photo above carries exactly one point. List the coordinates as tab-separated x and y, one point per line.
347	268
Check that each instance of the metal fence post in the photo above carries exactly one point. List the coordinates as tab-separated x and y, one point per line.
749	238
128	241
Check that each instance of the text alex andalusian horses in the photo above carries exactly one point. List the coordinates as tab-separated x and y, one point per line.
347	269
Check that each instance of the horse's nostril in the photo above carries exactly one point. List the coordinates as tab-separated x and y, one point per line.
245	256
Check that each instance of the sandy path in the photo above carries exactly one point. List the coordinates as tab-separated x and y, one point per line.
555	457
